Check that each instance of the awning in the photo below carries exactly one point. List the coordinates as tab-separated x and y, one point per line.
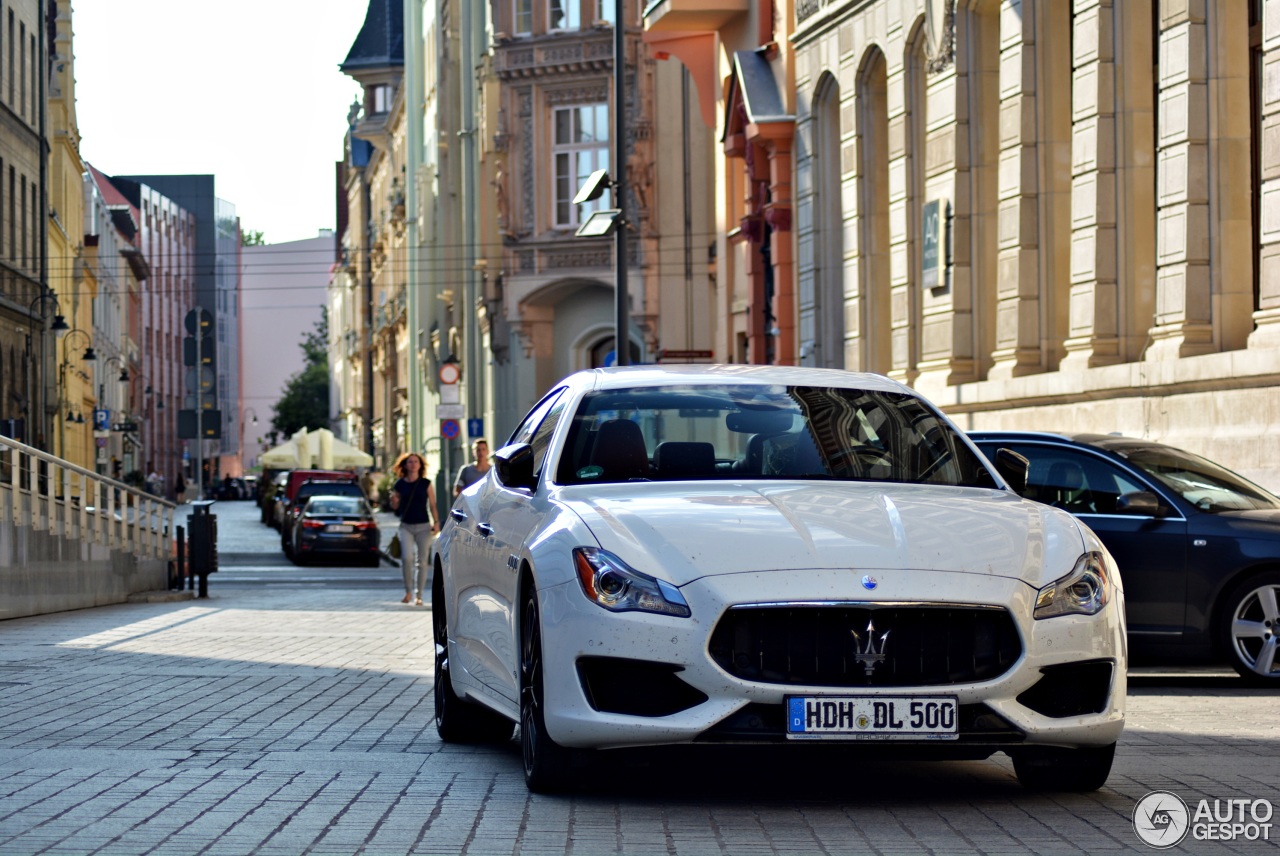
319	449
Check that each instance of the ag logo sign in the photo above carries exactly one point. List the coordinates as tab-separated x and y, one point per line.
1161	819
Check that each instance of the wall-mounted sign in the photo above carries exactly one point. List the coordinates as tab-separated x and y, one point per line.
931	244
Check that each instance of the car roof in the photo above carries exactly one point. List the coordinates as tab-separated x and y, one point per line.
1110	442
705	375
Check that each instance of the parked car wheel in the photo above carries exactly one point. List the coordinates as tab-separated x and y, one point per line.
459	721
546	763
1050	768
1248	628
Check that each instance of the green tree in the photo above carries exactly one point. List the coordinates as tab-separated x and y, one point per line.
305	403
252	238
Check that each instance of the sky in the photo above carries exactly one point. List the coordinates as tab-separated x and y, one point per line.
248	90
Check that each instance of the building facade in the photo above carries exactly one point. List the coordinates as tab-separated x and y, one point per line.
737	58
545	124
282	298
28	359
368	297
166	241
1047	232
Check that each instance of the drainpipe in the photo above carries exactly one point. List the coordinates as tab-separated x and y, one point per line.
413	122
474	37
42	65
366	285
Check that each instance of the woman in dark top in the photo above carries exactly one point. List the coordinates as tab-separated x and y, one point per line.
413	499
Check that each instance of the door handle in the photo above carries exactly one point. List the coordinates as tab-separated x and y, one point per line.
484	529
458	514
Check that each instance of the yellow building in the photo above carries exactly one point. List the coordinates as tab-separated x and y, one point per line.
69	277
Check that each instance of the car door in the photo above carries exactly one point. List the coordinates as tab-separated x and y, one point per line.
1151	552
504	517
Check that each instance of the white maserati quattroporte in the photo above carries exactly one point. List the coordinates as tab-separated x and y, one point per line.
750	554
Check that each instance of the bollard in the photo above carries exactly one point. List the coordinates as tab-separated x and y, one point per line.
204	543
176	582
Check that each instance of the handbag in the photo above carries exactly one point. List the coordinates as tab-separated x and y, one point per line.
394	547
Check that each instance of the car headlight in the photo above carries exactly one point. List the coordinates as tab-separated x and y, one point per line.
1084	591
607	581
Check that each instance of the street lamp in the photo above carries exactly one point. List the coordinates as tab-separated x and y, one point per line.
36	376
88	356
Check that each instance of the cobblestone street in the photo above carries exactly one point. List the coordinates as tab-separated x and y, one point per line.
297	718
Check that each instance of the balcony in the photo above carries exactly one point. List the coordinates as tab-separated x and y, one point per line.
691	15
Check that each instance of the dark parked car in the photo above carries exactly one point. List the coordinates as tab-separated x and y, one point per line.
340	526
1198	546
292	510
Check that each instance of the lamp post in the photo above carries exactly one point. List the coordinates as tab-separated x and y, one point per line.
116	407
88	356
35	380
613	221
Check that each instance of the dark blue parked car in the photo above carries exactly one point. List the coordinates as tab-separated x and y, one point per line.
1198	546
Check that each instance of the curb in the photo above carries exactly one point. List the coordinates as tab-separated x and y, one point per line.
161	596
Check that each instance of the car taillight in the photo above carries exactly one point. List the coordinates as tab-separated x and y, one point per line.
313	524
366	524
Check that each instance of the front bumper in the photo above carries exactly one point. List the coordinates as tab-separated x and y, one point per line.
735	709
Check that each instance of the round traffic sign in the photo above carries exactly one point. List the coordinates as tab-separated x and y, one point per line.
449	373
449	428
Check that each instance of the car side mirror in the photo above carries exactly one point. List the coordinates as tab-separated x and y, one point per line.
1013	468
1142	503
514	465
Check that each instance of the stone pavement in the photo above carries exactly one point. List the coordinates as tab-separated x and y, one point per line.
288	716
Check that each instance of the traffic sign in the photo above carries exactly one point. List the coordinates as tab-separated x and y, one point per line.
475	428
101	419
102	442
450	411
449	373
449	429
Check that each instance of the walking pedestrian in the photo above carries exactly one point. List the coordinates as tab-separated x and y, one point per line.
413	499
476	470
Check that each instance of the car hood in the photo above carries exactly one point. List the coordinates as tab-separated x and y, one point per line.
681	532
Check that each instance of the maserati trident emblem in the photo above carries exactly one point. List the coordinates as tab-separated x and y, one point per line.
869	582
866	652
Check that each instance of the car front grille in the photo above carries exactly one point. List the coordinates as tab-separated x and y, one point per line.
831	645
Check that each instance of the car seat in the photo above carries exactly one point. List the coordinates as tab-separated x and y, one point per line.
620	451
676	460
1064	487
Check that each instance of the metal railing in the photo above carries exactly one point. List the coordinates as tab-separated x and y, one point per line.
48	494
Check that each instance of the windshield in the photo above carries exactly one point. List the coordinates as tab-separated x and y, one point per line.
1202	483
335	505
764	432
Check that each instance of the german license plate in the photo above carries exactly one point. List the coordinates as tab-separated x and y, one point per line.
872	717
339	527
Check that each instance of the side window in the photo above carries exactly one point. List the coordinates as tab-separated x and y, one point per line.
542	437
1071	480
524	433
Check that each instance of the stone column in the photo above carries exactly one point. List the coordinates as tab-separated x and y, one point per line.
1267	317
1018	292
1204	282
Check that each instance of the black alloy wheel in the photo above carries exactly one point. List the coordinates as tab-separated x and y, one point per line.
1248	626
546	763
458	721
1051	768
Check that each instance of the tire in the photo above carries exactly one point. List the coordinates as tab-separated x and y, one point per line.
459	721
1049	768
547	764
286	546
1248	626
